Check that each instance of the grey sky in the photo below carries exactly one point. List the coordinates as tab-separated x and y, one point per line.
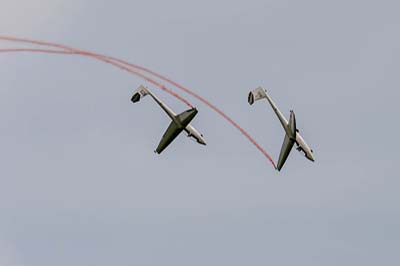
82	186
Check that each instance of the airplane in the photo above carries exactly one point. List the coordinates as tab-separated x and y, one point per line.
292	133
179	122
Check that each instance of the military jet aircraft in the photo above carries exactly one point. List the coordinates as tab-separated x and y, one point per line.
179	122
292	133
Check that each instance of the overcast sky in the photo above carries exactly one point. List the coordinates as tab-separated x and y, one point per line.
80	184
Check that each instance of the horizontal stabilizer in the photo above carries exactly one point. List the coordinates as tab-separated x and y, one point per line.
139	93
256	95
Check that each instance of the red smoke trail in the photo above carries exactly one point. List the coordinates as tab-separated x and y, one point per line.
47	51
112	61
161	86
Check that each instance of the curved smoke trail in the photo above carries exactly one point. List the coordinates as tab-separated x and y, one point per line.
96	56
112	61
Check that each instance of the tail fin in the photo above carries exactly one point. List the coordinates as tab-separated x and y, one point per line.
256	95
139	93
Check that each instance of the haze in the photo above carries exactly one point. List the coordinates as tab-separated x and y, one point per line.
80	184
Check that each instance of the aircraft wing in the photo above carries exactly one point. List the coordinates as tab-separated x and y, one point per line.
288	142
285	150
172	132
178	124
